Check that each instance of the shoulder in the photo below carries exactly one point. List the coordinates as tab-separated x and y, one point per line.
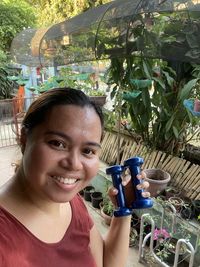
80	212
6	229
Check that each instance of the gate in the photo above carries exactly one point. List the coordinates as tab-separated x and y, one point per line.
11	114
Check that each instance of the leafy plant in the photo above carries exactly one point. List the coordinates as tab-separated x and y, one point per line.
153	96
108	206
6	85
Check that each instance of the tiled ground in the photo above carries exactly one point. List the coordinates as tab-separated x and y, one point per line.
10	155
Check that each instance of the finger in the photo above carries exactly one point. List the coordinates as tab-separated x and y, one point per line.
112	192
146	194
143	185
142	175
126	177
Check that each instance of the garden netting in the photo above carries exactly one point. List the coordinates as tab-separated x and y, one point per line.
164	29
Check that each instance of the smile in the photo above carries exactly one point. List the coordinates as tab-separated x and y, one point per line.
65	180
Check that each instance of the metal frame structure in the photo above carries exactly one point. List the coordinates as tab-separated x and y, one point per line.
167	29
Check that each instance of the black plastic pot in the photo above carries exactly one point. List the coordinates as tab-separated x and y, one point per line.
96	199
81	192
88	190
196	206
188	213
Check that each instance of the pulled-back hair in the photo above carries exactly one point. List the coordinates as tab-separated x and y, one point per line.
37	112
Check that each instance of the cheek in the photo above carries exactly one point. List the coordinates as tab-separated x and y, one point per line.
92	168
35	159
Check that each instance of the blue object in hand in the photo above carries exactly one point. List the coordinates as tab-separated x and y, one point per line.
115	172
134	166
140	202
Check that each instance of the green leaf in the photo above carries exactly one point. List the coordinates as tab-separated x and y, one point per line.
131	95
170	80
146	98
185	92
175	130
146	71
169	123
160	82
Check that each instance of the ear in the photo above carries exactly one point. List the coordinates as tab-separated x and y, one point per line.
23	138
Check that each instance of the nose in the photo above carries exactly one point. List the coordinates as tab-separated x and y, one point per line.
72	161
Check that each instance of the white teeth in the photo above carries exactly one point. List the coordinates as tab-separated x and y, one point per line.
65	180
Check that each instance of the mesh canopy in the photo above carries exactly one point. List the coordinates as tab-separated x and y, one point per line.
25	47
163	29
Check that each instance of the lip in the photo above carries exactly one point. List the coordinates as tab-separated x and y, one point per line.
66	187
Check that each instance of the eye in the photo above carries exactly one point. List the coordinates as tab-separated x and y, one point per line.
89	151
57	144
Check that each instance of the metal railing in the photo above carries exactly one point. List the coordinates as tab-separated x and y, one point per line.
11	114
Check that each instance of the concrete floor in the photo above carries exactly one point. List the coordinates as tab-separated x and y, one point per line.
9	155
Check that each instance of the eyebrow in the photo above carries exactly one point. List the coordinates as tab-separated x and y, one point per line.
67	137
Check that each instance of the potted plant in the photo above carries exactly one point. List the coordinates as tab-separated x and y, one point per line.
97	96
177	202
169	249
107	208
88	190
171	191
133	237
96	198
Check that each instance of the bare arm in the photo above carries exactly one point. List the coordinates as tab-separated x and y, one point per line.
113	250
116	243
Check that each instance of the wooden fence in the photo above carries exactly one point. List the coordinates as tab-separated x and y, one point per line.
184	174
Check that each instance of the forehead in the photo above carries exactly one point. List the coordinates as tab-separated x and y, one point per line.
82	120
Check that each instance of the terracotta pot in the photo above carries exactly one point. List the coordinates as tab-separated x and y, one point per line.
158	180
107	218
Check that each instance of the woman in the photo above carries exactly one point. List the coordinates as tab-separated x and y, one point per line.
43	221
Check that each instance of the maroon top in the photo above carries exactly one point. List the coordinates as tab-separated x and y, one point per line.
20	248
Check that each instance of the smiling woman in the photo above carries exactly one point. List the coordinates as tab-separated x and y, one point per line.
43	221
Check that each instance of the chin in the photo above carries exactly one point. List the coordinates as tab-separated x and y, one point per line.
63	198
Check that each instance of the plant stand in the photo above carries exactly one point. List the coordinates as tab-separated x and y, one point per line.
147	218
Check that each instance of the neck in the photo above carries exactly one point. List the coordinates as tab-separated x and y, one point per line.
19	190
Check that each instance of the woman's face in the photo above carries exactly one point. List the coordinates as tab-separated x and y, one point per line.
61	155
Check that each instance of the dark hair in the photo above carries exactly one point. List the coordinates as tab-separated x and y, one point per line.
37	112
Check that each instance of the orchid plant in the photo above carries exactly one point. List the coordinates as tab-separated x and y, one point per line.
160	234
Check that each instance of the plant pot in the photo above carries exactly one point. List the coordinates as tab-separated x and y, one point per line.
158	180
196	206
98	100
171	192
177	202
88	190
187	213
96	198
171	251
81	192
135	222
107	217
133	237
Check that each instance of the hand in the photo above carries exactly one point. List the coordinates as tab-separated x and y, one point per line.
128	188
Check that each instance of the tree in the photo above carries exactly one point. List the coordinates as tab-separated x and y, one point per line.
54	11
14	17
